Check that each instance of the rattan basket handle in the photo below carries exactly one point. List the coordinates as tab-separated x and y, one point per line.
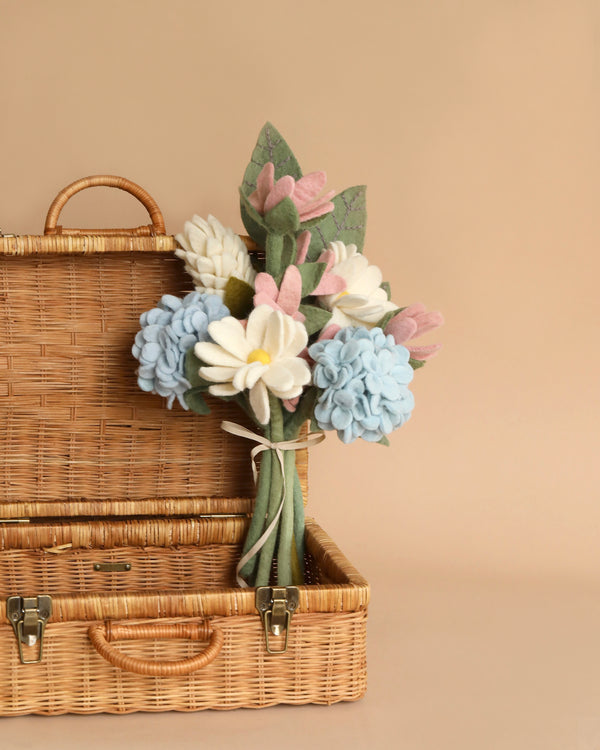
103	633
105	180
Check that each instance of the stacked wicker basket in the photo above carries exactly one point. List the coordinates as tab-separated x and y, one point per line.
123	521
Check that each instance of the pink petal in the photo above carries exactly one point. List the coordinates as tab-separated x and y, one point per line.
265	283
317	200
321	210
402	329
308	187
327	256
428	322
290	292
424	352
290	404
264	299
329	332
283	188
415	309
303	242
264	185
330	284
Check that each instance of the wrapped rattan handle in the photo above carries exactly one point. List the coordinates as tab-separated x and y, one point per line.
105	180
102	634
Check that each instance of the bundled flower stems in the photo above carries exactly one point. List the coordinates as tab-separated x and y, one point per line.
309	334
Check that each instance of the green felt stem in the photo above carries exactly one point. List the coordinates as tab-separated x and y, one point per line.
273	250
286	523
303	411
289	252
265	560
257	525
299	523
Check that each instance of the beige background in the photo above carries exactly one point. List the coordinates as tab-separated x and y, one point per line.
475	125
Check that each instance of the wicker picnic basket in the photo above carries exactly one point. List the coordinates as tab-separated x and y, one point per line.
121	521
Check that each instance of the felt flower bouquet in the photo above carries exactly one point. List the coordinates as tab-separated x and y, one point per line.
296	326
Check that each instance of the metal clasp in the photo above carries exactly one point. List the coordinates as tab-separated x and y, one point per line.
28	615
276	605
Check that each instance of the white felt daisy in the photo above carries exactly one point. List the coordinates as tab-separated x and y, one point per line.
262	357
363	302
213	254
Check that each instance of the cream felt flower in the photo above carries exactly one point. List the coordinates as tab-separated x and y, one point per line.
363	302
262	357
213	254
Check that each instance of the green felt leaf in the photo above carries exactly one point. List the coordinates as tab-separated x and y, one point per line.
253	221
384	441
347	222
283	218
194	398
316	318
238	297
387	317
387	289
255	230
270	146
191	366
416	363
314	425
311	274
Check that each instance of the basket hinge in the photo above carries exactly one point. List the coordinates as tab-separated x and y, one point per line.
276	605
28	615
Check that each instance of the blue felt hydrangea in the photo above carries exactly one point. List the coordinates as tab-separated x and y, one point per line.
168	331
364	375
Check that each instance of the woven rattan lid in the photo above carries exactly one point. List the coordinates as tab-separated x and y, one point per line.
78	437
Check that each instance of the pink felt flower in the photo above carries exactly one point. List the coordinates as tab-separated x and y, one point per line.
412	322
287	298
330	283
302	243
305	193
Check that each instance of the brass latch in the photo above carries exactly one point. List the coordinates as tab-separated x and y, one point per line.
28	615
276	605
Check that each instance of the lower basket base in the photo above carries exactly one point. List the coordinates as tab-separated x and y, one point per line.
325	663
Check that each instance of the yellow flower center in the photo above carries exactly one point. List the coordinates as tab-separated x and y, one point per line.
259	355
342	294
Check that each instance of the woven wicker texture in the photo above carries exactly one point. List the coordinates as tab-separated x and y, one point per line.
108	475
325	663
333	584
76	429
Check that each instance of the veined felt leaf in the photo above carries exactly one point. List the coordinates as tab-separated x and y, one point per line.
311	274
346	223
386	318
191	367
270	146
416	363
238	297
316	318
385	285
194	398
